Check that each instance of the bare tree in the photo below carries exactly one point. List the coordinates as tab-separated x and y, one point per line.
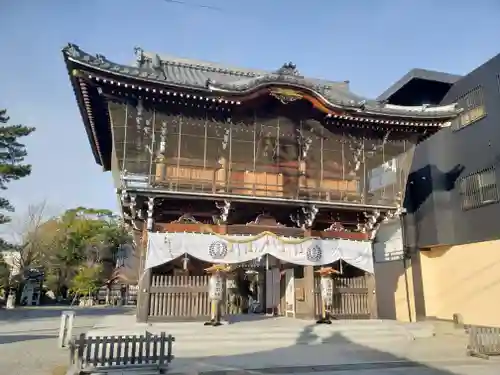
29	239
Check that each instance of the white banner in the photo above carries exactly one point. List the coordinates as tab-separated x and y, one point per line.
231	249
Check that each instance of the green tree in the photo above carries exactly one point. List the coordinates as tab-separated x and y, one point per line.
87	279
12	168
12	154
82	237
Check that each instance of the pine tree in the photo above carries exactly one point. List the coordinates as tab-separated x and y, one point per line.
12	168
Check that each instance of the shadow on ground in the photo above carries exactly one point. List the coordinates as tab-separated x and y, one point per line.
336	354
9	339
41	312
233	319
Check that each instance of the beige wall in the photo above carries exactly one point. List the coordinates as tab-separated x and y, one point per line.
463	279
392	292
394	286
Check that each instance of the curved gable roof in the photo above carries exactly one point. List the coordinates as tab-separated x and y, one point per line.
217	79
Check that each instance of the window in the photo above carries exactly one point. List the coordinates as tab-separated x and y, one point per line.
472	104
479	189
498	83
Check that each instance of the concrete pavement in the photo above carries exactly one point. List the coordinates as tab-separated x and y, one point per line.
28	337
28	345
283	346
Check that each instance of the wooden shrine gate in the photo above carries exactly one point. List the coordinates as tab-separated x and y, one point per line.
350	298
186	298
182	298
179	298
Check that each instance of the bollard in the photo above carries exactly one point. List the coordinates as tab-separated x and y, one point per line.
11	300
66	328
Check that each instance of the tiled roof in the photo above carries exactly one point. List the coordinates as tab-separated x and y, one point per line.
228	81
200	73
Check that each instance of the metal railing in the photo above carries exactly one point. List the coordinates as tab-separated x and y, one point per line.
383	185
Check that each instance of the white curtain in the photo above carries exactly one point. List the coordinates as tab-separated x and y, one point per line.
230	249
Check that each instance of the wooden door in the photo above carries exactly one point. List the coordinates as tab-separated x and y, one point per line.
179	298
350	298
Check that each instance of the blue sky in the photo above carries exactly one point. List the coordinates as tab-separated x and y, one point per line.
372	43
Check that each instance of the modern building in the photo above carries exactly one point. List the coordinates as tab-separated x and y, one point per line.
451	227
272	172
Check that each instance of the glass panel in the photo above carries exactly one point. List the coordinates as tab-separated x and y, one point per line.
242	146
133	141
388	166
117	113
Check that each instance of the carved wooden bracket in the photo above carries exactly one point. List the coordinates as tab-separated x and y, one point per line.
151	206
266	220
285	96
336	227
375	219
224	209
186	218
305	217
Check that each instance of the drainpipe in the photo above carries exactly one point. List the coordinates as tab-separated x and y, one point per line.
405	263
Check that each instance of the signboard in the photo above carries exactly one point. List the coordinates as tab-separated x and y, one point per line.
327	290
216	287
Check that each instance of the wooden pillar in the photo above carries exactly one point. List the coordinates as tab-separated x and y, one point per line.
309	291
143	297
372	297
143	292
309	286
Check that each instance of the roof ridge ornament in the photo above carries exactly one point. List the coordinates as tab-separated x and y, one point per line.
209	83
100	58
139	56
72	50
289	69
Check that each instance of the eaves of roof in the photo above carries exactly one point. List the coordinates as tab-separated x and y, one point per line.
85	112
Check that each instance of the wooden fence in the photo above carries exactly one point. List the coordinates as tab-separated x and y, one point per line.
115	294
483	341
350	298
179	297
116	352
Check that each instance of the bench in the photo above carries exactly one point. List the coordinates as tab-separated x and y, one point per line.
483	341
107	353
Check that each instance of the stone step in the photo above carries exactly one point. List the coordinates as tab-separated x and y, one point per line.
195	337
244	347
263	335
